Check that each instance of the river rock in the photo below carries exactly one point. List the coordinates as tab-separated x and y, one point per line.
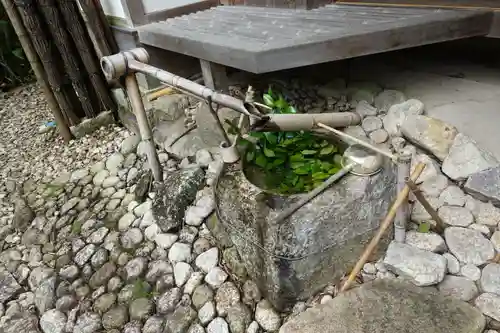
388	98
129	145
423	268
88	322
176	193
266	316
490	279
430	134
327	218
484	185
426	241
180	320
53	321
489	304
25	323
456	216
469	246
388	306
459	287
466	158
8	286
397	114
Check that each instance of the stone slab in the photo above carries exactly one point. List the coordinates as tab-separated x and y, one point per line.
485	185
388	306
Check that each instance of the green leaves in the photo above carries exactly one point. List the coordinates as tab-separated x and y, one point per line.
424	227
292	162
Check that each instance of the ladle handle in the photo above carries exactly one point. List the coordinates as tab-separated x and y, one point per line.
314	193
344	136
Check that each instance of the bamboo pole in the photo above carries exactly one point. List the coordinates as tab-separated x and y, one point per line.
403	172
69	56
400	199
44	49
106	44
71	16
427	206
34	61
144	129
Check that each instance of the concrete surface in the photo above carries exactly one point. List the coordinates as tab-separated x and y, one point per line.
458	82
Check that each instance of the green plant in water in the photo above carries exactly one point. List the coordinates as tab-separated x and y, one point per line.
292	162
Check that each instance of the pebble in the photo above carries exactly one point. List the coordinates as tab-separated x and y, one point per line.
84	254
207	260
179	252
371	123
490	279
194	281
452	263
253	327
131	238
425	241
215	277
471	272
266	316
182	272
206	313
379	136
135	267
53	321
226	296
489	304
453	196
459	287
456	216
469	246
218	325
165	241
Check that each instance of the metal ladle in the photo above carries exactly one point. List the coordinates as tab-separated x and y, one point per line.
357	160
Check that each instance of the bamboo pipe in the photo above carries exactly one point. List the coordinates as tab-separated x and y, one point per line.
402	196
40	74
144	129
306	121
402	214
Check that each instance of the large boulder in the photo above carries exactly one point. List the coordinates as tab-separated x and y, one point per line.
319	243
389	306
177	192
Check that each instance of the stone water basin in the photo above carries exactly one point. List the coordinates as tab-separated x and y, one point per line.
314	247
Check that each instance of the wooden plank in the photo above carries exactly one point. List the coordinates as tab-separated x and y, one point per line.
385	37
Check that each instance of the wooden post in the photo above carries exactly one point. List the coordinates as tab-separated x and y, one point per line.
71	16
41	77
69	56
214	75
106	46
50	60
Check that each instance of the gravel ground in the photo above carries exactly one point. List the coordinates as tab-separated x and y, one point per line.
83	250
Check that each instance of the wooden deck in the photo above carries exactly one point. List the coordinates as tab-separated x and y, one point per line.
262	40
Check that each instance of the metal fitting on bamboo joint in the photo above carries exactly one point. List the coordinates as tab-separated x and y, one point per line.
116	65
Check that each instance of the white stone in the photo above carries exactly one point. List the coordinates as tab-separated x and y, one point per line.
203	157
132	174
218	325
426	241
489	304
253	327
495	239
206	313
129	145
207	260
431	167
267	317
423	268
418	212
52	321
487	214
469	246
126	221
434	186
194	281
99	177
194	216
490	279
379	136
369	268
456	216
114	162
466	158
110	181
179	252
453	196
471	272
398	113
140	210
182	272
97	167
371	123
458	287
147	220
364	109
79	174
215	277
165	241
151	232
452	263
482	229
